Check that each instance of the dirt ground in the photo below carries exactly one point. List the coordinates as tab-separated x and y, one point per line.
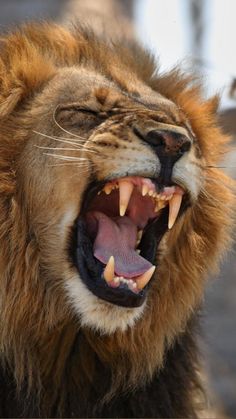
219	319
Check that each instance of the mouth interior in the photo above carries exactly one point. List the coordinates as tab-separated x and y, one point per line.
119	236
124	222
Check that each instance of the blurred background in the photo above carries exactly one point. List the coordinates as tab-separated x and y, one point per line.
200	34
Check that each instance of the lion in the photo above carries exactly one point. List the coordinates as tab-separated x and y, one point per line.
113	212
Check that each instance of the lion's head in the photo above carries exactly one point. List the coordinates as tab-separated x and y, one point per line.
112	207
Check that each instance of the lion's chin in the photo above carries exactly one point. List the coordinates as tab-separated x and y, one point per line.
117	235
97	314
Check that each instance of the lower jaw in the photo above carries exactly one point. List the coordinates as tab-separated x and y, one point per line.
91	270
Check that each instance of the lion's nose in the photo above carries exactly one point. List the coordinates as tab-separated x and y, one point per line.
168	144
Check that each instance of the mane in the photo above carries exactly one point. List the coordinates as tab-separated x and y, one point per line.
38	337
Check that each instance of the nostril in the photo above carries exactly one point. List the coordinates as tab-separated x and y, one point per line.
155	138
185	146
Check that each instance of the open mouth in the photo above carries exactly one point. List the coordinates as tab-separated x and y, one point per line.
117	235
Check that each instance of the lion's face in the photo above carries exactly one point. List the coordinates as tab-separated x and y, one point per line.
106	177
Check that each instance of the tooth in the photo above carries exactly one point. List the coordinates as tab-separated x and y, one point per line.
139	236
145	190
174	206
159	205
126	189
150	193
109	270
115	283
108	189
169	197
143	279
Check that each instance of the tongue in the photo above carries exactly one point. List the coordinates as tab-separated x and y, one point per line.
116	237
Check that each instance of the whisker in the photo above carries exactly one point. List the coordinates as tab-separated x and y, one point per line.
63	129
76	142
63	148
220	167
78	146
68	158
211	197
57	148
82	169
72	163
69	164
217	181
50	136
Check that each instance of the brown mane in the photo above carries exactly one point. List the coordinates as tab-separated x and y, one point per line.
37	336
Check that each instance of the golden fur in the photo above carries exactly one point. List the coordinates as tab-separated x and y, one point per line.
38	323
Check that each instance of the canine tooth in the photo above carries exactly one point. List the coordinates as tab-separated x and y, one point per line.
138	251
109	270
140	233
139	237
108	189
143	279
126	189
174	206
145	190
132	286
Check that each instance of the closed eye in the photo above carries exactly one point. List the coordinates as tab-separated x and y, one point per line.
80	117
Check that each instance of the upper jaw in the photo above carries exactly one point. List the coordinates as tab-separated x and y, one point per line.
161	196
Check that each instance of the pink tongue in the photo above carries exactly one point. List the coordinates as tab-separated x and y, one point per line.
117	237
